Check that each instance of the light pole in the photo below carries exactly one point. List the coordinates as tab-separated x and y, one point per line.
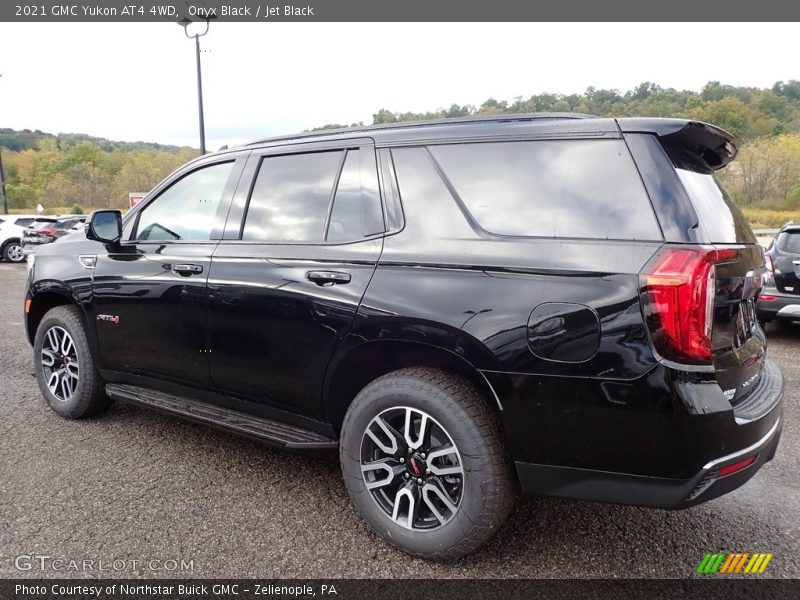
185	24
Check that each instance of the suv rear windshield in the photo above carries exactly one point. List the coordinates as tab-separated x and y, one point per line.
789	241
551	188
717	212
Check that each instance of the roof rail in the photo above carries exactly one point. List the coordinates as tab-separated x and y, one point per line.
499	118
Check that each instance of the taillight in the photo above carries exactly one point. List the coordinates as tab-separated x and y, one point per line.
769	275
47	232
677	290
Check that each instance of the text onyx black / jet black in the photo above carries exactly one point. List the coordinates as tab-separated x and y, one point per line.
554	303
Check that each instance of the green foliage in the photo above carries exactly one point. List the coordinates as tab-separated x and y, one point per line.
77	170
76	210
746	112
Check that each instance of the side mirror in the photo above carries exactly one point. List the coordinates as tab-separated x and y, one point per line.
105	226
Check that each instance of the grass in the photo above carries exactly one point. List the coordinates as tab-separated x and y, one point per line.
55	210
765	218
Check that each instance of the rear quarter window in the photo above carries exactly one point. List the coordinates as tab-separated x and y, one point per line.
551	188
717	213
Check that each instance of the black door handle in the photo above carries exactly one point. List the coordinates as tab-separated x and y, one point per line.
328	277
186	270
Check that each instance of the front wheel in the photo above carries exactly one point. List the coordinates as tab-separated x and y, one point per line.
425	464
65	369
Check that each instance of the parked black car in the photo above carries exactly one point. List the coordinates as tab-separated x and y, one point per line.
45	230
555	303
780	298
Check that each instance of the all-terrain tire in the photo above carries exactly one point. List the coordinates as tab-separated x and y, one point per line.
458	408
65	369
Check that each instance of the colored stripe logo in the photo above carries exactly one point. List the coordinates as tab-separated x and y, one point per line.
740	562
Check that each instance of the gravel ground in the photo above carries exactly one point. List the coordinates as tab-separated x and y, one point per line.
134	486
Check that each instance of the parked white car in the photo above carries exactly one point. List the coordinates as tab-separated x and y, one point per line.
11	229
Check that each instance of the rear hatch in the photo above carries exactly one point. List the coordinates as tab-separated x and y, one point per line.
785	254
737	343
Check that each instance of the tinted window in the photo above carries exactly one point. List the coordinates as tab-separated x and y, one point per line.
24	222
718	214
185	210
67	224
394	213
789	241
580	188
356	209
290	198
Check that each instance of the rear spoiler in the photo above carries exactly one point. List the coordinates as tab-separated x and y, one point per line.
715	146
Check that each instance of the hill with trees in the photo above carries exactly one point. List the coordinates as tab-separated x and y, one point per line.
66	169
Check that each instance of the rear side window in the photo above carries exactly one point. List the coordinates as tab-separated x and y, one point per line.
718	214
290	198
23	222
315	197
356	209
551	188
789	241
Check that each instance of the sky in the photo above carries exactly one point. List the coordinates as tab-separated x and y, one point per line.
138	81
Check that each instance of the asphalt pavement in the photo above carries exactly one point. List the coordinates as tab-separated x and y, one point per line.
135	493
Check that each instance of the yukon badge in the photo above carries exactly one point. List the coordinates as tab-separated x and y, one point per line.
110	318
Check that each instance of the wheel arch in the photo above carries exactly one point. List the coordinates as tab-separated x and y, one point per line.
42	302
364	363
8	242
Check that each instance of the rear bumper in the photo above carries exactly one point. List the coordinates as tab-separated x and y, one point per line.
784	307
753	429
657	492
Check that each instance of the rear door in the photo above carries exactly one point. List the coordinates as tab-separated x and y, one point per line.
300	247
786	261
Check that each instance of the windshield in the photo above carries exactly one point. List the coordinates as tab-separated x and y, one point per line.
789	241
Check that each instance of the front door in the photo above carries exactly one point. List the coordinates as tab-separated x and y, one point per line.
150	293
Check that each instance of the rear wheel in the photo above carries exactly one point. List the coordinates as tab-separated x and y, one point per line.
65	369
425	464
12	252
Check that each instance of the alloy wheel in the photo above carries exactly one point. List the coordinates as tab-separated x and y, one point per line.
412	468
14	253
60	363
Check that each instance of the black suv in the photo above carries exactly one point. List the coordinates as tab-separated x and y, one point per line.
463	308
781	296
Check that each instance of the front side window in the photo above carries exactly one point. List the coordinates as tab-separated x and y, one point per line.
551	188
187	209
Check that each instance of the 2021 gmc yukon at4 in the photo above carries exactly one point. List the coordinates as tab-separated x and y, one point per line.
464	308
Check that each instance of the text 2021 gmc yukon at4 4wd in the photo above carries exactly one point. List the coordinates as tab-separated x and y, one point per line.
554	303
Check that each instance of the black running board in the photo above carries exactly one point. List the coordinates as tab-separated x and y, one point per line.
263	430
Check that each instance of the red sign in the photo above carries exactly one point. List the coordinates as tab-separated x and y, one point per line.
135	197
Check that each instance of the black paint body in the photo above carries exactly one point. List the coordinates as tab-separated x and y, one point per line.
550	329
